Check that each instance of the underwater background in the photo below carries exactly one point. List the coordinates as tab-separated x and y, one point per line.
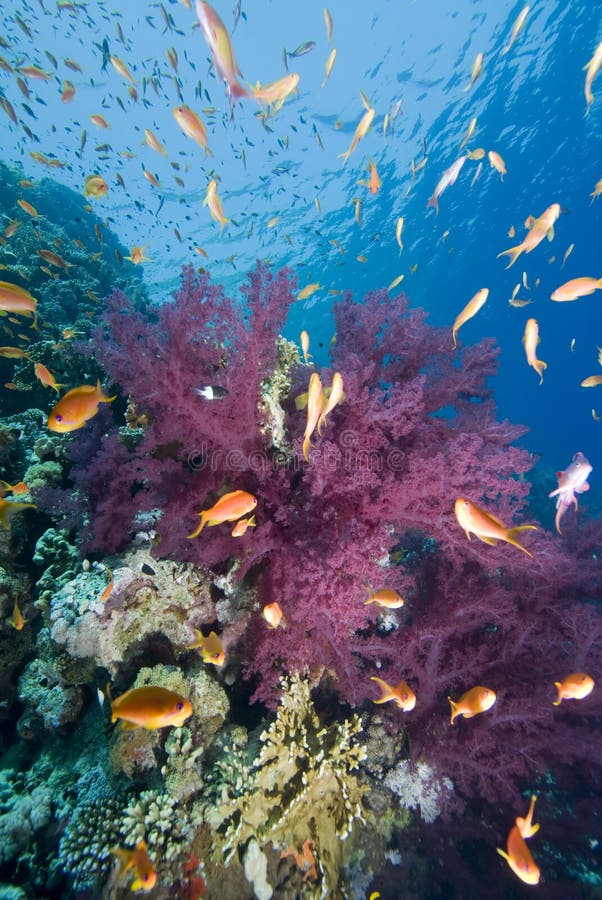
280	673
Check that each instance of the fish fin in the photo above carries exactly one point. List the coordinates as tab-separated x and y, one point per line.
582	487
487	540
512	533
198	530
504	854
550	233
539	367
558	700
129	726
124	857
301	401
454	710
306	446
434	202
513	253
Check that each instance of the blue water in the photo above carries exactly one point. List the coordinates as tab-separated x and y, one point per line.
409	56
529	106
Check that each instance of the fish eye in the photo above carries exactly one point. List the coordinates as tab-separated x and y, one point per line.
179	706
58	418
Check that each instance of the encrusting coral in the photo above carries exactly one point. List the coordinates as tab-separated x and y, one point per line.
167	604
303	784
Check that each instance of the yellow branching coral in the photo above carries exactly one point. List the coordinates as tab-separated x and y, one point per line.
302	785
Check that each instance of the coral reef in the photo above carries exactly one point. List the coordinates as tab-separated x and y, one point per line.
23	811
303	783
373	507
141	608
418	787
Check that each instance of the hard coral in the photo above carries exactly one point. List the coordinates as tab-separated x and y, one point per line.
302	782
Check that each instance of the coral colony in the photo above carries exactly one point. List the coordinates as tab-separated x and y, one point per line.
372	508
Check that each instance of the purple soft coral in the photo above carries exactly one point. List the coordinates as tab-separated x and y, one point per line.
373	508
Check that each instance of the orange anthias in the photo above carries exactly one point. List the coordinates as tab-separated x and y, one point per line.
486	527
227	509
139	860
150	707
477	700
518	856
574	687
402	694
76	408
386	597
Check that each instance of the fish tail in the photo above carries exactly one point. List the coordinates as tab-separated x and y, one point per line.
236	90
559	512
513	253
434	202
454	710
511	536
539	366
558	700
198	530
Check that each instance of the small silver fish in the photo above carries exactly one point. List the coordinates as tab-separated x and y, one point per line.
212	392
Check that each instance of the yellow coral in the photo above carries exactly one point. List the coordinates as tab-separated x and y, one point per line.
302	784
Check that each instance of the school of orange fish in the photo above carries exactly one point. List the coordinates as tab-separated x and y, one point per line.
156	707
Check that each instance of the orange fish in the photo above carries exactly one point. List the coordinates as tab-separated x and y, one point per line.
496	162
76	407
577	287
122	69
8	509
402	694
538	230
95	186
212	650
331	399
192	126
137	255
241	526
213	201
151	139
591	69
272	614
530	342
475	520
574	687
518	857
228	508
218	40
360	132
525	826
139	860
28	208
68	91
14	353
374	183
19	488
99	121
386	597
477	700
16	299
46	377
275	94
54	259
314	411
149	707
16	620
470	310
